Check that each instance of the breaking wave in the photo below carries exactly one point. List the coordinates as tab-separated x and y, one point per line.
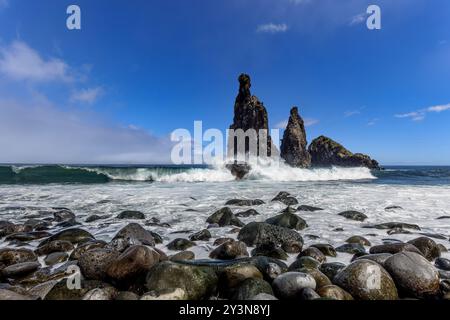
171	174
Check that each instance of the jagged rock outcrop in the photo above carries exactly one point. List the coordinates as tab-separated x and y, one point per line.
294	144
239	169
327	152
249	113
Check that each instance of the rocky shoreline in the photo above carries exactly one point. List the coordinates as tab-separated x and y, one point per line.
260	260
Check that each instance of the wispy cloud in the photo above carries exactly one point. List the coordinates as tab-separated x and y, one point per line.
308	123
300	1
35	131
4	4
20	62
272	28
358	19
282	124
351	113
373	122
422	113
88	96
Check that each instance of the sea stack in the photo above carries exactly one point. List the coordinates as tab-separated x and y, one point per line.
326	152
294	145
250	113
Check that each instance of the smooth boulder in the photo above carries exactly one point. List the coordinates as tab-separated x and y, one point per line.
414	275
367	280
256	233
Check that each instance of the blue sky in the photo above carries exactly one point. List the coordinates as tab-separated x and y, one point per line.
113	91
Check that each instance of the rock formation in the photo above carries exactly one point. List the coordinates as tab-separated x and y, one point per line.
294	144
327	152
250	113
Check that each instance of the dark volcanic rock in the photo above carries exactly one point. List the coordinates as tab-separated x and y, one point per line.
82	248
196	282
326	152
131	214
289	284
353	215
55	258
6	295
61	291
183	255
308	208
367	280
20	269
13	256
353	248
326	249
394	225
130	235
334	292
443	264
321	279
180	244
331	269
314	253
270	250
413	274
428	247
203	235
229	250
247	213
292	246
73	235
135	261
293	146
63	215
256	233
307	262
394	248
224	217
54	246
251	288
379	258
244	202
358	239
95	263
249	113
288	220
239	169
286	198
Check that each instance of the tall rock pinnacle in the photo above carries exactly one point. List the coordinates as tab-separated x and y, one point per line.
250	113
294	144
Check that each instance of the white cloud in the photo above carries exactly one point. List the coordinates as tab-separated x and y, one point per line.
37	132
282	124
300	1
351	113
4	4
421	114
272	28
89	95
20	62
373	122
358	19
439	108
308	123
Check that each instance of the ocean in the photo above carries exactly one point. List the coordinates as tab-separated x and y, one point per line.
181	199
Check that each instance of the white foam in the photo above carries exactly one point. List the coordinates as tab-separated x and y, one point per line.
271	172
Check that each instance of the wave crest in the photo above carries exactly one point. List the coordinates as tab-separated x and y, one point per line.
218	173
